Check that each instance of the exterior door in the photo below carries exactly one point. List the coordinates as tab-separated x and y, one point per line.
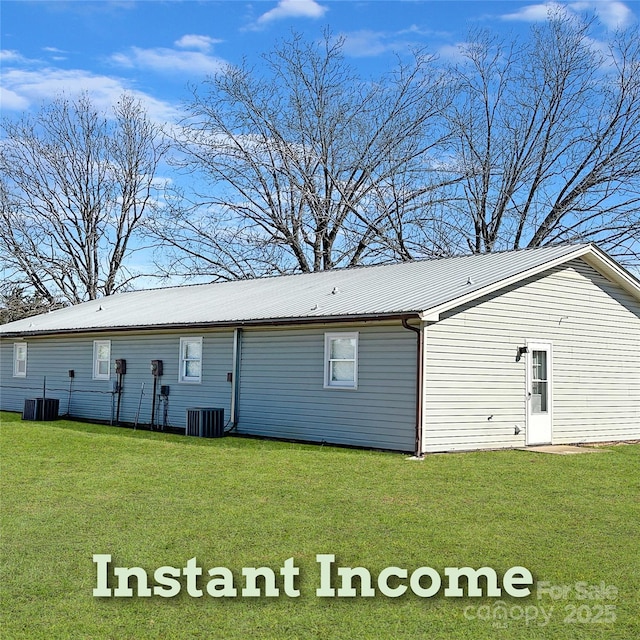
539	393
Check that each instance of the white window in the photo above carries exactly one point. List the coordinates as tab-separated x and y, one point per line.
19	359
190	360
341	360
539	382
101	359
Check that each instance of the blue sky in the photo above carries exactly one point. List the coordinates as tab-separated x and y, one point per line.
155	49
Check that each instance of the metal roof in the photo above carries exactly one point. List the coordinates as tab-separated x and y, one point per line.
410	288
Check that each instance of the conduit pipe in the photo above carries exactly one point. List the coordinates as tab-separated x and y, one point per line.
235	378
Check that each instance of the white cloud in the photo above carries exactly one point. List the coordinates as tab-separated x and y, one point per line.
11	101
193	41
453	52
293	9
55	53
26	88
533	12
28	83
167	60
12	57
612	13
365	43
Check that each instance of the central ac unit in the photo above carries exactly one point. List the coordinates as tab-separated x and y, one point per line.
41	409
205	422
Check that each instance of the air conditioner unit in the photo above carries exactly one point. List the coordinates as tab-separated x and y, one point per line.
205	422
37	409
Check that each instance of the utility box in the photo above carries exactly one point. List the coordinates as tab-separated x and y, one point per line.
121	366
156	368
205	422
41	409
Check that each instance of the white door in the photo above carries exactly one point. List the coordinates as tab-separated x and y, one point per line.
539	398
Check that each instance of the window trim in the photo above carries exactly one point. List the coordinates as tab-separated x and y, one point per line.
183	379
328	337
96	363
16	360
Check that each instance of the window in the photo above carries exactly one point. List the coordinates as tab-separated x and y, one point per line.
101	359
341	360
190	360
20	360
539	382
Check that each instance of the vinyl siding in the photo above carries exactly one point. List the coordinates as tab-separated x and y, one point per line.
92	399
282	390
475	389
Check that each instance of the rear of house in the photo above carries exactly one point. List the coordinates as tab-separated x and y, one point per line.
467	353
282	392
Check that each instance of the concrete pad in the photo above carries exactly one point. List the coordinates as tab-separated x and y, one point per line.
561	449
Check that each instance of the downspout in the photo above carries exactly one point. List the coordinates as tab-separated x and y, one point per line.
235	379
419	383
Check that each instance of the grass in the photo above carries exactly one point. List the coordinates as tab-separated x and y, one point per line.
71	490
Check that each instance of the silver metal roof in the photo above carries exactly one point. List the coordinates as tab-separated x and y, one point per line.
410	288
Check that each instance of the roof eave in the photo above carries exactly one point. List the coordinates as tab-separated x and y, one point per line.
231	324
615	272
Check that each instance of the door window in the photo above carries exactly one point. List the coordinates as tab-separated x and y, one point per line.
539	382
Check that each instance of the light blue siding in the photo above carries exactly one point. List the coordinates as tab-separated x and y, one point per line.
281	382
282	390
54	356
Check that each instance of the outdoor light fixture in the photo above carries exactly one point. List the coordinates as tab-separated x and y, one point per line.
521	352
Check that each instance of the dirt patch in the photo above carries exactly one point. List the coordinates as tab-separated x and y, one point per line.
613	443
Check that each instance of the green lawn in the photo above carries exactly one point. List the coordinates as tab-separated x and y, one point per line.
71	490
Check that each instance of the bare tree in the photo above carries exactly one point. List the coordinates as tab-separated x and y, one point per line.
16	303
75	187
546	135
308	166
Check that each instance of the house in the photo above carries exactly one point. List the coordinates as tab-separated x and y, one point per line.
486	351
